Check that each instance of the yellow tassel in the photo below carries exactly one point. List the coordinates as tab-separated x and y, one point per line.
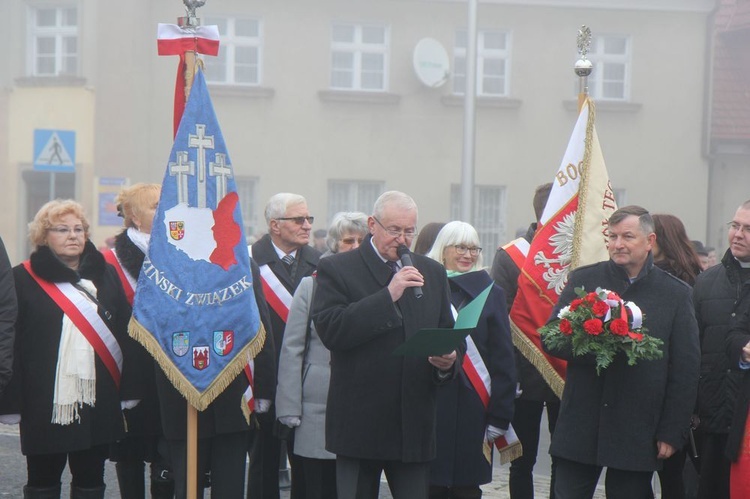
180	382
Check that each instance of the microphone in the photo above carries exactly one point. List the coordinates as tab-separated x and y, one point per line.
403	253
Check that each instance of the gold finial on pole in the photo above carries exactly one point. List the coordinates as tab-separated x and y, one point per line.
583	65
189	23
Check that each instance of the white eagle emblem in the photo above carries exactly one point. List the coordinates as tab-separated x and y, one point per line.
557	265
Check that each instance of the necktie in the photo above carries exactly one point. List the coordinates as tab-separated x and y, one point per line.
288	260
393	266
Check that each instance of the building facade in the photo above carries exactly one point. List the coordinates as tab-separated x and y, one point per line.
321	98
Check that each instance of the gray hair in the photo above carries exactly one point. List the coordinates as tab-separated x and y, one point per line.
279	203
454	233
396	199
345	222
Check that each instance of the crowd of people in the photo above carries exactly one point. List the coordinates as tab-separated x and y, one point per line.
332	399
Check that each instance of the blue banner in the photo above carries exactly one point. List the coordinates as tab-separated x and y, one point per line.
194	308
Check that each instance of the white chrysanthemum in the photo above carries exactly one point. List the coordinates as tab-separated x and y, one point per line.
563	312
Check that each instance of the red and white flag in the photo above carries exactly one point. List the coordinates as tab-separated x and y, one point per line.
572	232
174	40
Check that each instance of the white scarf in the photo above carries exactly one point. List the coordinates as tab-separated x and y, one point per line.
75	377
140	239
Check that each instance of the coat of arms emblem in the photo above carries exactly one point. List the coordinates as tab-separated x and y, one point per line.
177	230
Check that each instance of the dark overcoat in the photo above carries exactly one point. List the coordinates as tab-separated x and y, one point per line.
616	418
8	313
143	419
263	253
224	414
505	273
380	406
718	298
38	331
461	415
737	338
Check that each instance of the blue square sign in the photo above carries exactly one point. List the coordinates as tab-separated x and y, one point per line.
55	150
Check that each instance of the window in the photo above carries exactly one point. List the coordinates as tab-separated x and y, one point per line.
240	52
493	63
247	190
488	213
610	79
352	195
53	41
359	57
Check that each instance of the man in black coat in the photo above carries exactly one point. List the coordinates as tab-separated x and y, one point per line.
718	296
628	418
8	312
381	407
284	258
535	392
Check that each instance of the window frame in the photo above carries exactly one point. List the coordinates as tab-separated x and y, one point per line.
599	59
353	202
229	42
357	48
483	54
59	33
496	229
247	190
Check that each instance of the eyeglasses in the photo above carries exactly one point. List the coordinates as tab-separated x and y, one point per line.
735	227
350	240
461	249
392	232
298	220
77	231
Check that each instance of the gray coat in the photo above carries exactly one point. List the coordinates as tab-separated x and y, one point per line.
303	379
615	419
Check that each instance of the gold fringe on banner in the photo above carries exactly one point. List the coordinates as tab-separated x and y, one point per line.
583	187
197	399
529	350
508	454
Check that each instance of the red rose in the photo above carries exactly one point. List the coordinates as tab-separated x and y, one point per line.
636	336
613	296
591	297
593	326
600	308
619	327
566	327
575	304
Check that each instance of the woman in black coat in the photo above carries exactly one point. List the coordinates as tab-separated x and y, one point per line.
137	205
464	424
66	385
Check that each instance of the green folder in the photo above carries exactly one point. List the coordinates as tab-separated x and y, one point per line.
440	341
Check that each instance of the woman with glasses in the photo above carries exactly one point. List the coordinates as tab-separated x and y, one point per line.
137	205
304	370
464	423
67	378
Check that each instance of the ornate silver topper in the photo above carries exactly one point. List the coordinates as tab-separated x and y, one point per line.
583	66
190	21
584	40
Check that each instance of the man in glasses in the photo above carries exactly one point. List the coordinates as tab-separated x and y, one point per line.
284	258
381	407
718	296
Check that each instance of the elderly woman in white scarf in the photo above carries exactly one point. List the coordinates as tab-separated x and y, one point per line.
68	366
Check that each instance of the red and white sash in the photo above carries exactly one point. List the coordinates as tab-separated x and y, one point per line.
517	249
128	282
84	315
278	297
508	445
248	397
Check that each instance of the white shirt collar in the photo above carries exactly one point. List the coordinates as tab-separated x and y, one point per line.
280	253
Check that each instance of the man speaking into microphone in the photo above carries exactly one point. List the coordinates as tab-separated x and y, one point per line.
381	407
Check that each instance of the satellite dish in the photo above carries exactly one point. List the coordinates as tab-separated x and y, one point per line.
431	63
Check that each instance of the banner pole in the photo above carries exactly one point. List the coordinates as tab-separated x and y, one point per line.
192	451
583	65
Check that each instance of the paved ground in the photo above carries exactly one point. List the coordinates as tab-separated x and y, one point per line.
13	474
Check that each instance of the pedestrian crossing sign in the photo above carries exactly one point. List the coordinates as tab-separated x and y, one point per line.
54	150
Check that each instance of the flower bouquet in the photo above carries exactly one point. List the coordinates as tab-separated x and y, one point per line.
602	324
